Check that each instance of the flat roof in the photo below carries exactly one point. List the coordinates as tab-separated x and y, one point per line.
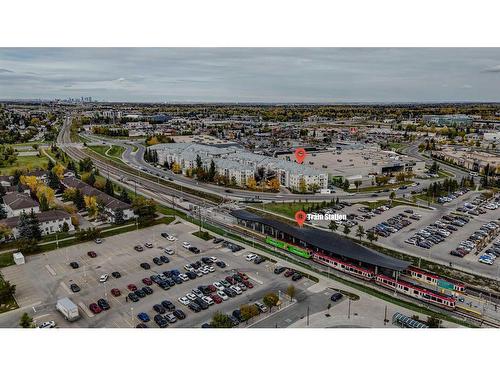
328	242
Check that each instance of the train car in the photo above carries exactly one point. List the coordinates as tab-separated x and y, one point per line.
433	279
294	249
346	267
416	291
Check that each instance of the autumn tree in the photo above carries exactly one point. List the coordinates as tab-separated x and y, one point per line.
270	300
274	185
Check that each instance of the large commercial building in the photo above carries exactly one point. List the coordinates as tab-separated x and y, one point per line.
239	165
468	158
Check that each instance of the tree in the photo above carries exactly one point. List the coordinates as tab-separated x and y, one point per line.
270	300
333	226
108	188
345	185
65	227
346	230
26	321
59	171
251	183
91	205
144	208
29	227
212	171
220	320
302	185
53	180
79	200
357	183
360	232
119	219
44	204
47	193
248	312
86	165
176	168
124	196
392	195
433	322
371	236
291	291
274	185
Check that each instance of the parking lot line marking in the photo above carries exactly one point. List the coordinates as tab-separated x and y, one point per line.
65	287
86	310
50	270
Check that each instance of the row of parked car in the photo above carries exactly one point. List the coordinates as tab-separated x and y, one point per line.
479	205
231	246
450	197
438	231
477	241
204	296
490	254
166	313
295	275
237	317
392	225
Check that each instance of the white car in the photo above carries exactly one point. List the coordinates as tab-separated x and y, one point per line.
149	245
188	267
486	261
250	257
171	238
204	271
169	251
104	278
198	273
186	245
211	269
213	259
218	286
208	300
222	295
49	324
185	301
236	289
98	240
191	296
183	277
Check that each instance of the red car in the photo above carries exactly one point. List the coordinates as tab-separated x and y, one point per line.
147	281
95	308
211	288
289	272
230	280
131	287
248	284
243	275
116	292
216	298
92	254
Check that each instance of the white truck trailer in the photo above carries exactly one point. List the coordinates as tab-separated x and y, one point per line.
69	310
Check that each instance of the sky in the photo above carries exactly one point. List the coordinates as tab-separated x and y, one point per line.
271	75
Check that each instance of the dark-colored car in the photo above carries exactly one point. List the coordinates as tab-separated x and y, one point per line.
234	320
218	240
74	265
145	265
237	314
191	275
194	249
116	274
336	296
133	297
259	260
147	281
177	279
159	309
103	304
230	280
296	276
194	307
157	261
116	292
279	270
92	254
179	314
74	288
167	273
164	285
207	260
147	290
289	272
138	248
221	264
230	292
141	325
95	308
140	293
201	303
168	305
164	259
161	321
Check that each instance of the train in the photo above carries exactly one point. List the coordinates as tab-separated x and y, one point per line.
368	274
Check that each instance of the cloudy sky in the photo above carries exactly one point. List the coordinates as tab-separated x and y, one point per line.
252	75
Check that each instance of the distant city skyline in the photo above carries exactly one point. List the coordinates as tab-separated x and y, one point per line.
252	75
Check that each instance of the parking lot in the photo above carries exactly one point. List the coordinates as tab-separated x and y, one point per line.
54	276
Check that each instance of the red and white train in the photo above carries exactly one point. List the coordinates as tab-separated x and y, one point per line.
433	279
401	286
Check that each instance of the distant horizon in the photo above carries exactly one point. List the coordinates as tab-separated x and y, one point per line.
253	75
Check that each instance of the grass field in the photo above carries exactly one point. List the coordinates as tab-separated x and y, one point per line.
30	162
111	152
288	208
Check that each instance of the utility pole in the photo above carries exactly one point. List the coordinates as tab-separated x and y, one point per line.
385	316
307	324
349	308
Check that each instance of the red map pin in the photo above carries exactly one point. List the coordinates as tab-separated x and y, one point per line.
300	217
300	155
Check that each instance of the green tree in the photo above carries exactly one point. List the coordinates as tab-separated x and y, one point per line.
144	208
3	213
220	320
302	185
346	230
357	183
360	232
248	311
371	236
108	188
333	226
65	227
291	291
124	196
433	322
44	203
26	321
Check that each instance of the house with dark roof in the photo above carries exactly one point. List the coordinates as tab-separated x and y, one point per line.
50	221
17	203
111	204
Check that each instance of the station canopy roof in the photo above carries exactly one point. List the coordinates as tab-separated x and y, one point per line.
328	242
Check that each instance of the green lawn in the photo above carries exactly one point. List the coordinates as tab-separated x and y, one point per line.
203	235
288	208
113	152
31	162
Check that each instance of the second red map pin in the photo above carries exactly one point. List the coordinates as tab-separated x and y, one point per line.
300	155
